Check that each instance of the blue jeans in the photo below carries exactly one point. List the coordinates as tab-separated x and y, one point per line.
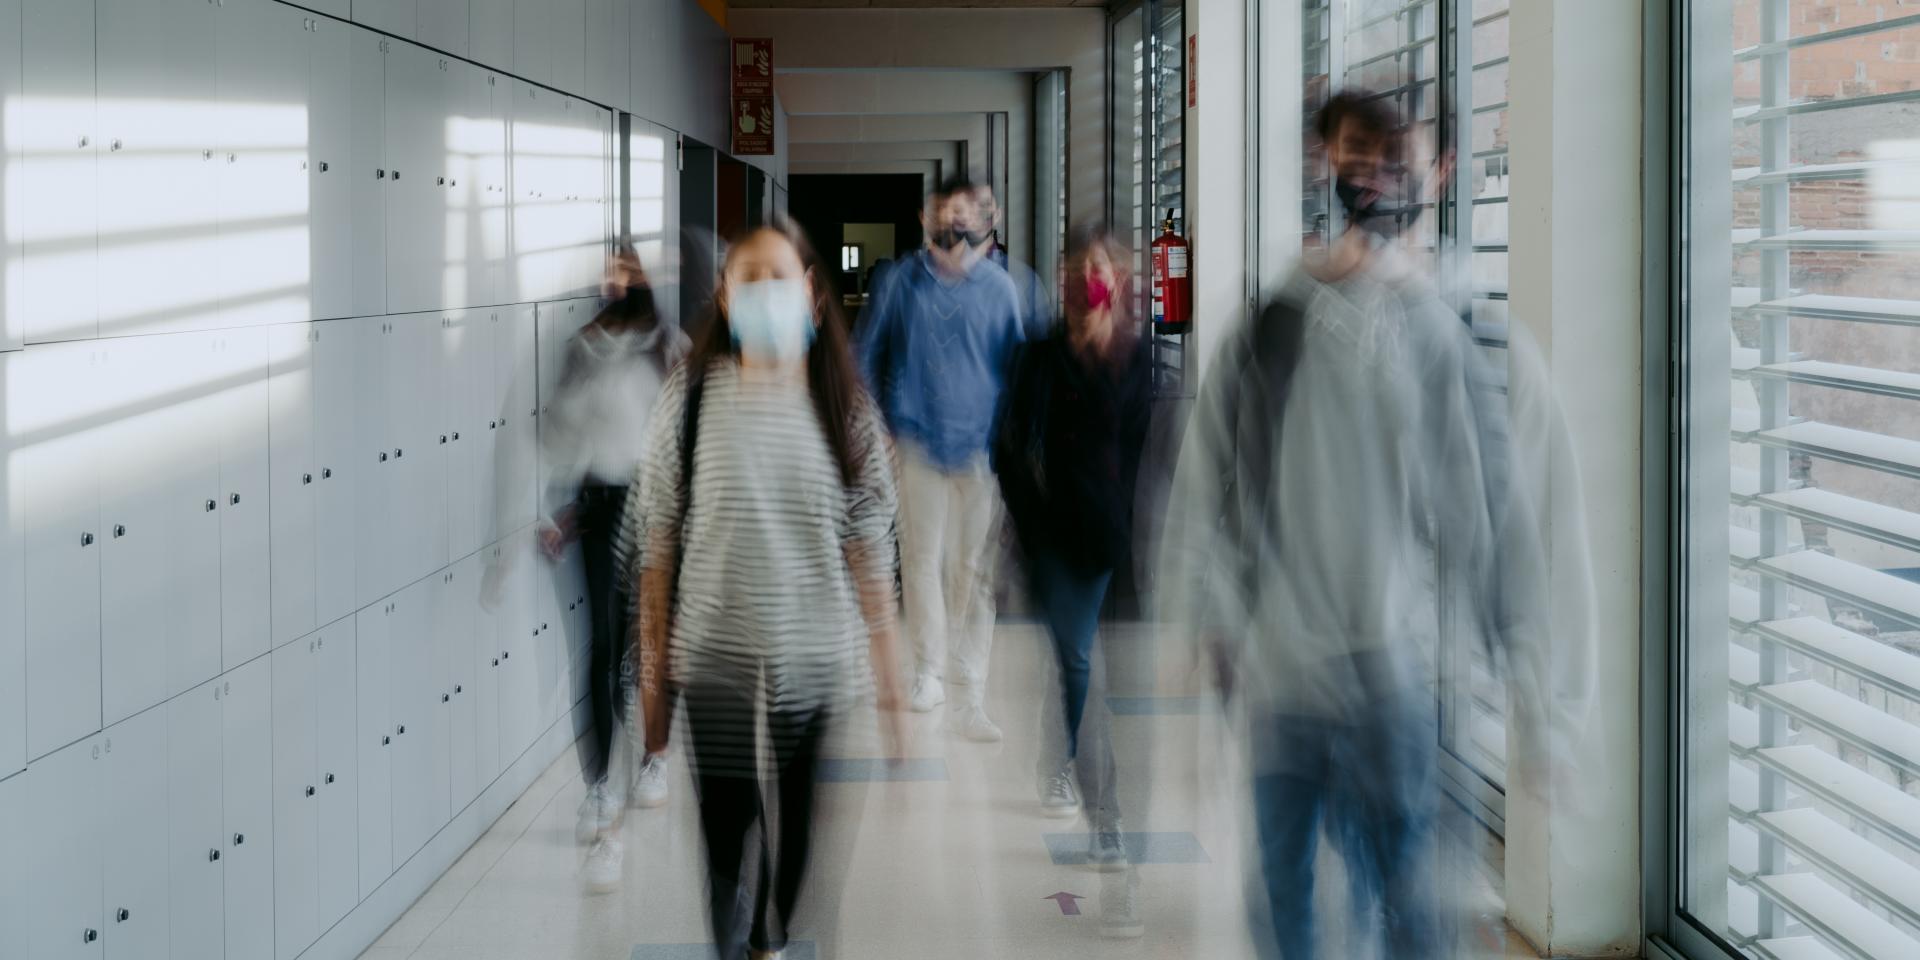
1069	600
1368	785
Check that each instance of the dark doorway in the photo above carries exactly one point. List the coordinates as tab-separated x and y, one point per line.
699	230
823	204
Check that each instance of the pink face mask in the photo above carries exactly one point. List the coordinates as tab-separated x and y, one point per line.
1099	294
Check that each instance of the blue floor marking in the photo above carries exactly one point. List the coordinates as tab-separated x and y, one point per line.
1154	706
1070	849
796	950
864	770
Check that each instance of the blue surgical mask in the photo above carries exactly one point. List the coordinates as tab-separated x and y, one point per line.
772	320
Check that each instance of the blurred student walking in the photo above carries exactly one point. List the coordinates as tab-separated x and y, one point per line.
764	527
935	345
1068	452
593	436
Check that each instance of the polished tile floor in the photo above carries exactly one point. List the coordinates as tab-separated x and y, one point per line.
948	857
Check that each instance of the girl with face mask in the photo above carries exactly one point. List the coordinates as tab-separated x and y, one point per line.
1068	450
763	525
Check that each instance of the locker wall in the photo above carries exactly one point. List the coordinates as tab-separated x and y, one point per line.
285	289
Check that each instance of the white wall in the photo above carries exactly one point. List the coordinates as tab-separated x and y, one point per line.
1216	159
285	296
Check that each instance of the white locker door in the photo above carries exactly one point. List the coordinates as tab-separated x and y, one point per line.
134	754
157	171
291	478
373	692
415	704
60	504
339	460
332	8
598	52
336	719
65	847
426	517
157	455
247	698
13	599
486	179
245	581
618	66
368	173
457	234
533	39
14	898
331	172
262	160
398	17
377	413
517	386
415	145
491	37
194	814
569	19
484	648
457	347
487	406
443	25
539	206
59	141
13	317
295	801
520	681
454	627
188	378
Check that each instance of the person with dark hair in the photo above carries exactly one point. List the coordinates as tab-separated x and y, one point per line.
1338	446
1035	294
762	542
934	346
1068	451
591	441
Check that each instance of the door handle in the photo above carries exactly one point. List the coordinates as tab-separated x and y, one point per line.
323	166
439	181
457	688
444	698
115	145
396	176
506	654
119	530
122	915
398	453
383	456
213	856
235	501
329	778
443	438
384	741
239	838
309	790
379	174
401	730
496	661
86	539
211	505
306	478
326	473
90	936
456	435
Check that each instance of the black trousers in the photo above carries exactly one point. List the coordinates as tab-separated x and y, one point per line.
738	807
597	515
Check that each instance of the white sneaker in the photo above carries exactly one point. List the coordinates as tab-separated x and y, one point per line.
1107	849
1058	798
596	813
650	784
1118	916
927	694
604	865
971	722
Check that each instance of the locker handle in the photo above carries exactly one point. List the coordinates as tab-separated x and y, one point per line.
398	453
446	698
323	166
496	661
90	936
492	424
506	655
239	838
306	478
326	473
84	140
122	915
235	500
458	688
383	456
86	539
329	778
309	790
115	145
401	730
456	435
210	506
384	741
396	176
439	181
119	530
213	856
543	628
443	438
206	154
379	174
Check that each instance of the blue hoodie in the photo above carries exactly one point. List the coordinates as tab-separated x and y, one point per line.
935	351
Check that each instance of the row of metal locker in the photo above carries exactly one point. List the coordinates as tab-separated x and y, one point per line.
185	502
574	45
194	165
247	816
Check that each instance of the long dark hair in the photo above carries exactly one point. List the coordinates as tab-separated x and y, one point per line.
831	378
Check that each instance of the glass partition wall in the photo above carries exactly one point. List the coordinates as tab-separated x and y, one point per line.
1793	735
1147	60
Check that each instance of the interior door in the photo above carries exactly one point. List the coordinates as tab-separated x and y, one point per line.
373	692
247	745
487	185
60	502
157	190
262	158
338	457
134	754
331	173
295	804
292	478
336	720
245	567
516	384
459	342
65	801
484	648
196	872
59	211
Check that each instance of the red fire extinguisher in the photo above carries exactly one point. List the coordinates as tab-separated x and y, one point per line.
1172	289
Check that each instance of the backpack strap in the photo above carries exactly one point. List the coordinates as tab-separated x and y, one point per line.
1268	360
689	436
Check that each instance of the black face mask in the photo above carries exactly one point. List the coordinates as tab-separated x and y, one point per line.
636	304
945	238
975	238
1376	212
